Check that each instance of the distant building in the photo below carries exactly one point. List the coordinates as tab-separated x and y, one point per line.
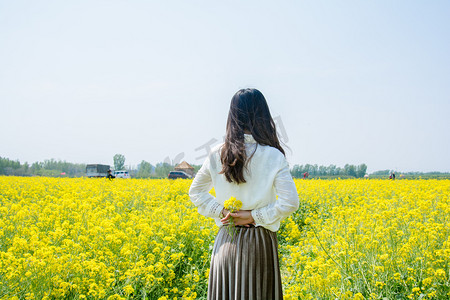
185	167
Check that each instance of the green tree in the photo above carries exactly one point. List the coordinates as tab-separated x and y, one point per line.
382	172
323	170
9	167
162	169
361	170
196	168
332	170
119	162
144	169
295	172
350	170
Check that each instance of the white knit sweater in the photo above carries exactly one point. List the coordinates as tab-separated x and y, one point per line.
267	177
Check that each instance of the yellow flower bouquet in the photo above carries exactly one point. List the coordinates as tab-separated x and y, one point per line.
232	205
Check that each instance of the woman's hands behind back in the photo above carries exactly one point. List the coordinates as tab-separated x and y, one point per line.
241	218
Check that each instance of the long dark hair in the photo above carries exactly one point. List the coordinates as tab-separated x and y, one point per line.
249	112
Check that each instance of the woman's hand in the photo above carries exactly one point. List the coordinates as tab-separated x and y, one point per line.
224	212
242	218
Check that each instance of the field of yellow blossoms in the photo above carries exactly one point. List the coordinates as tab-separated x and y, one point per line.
143	239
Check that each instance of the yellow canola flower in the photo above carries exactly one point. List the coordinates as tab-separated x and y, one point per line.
232	204
97	239
128	289
92	238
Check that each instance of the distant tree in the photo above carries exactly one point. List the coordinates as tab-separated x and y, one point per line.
8	167
361	170
323	170
315	170
350	170
332	170
295	172
382	172
163	169
196	168
144	169
308	168
52	167
35	168
119	162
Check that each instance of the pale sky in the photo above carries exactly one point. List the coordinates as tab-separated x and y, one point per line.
352	81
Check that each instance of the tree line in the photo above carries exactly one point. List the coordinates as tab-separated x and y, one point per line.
57	168
160	170
50	167
357	171
145	169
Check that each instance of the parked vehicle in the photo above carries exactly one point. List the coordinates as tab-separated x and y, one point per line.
178	174
122	174
97	170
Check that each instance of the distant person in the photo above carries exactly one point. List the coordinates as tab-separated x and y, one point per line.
305	175
393	175
110	175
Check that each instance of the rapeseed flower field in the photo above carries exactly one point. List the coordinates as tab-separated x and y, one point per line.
63	238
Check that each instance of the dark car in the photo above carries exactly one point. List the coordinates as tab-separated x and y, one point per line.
178	174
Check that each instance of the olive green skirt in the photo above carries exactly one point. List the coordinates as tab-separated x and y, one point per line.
245	266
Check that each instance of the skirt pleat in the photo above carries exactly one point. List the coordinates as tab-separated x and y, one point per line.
245	266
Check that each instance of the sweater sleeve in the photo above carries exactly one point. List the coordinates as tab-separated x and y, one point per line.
199	192
287	202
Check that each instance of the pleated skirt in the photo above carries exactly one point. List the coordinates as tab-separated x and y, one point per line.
245	266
